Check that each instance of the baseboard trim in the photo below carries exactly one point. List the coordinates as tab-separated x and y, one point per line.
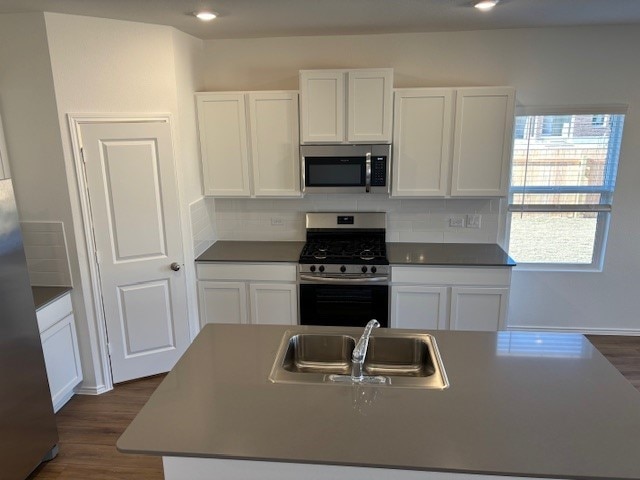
100	389
585	331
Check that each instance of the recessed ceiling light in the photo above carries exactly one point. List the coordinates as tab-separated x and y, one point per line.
206	15
486	5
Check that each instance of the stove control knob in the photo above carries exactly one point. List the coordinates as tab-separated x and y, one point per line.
321	268
374	269
364	269
343	269
312	268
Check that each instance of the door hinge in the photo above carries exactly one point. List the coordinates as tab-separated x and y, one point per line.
82	155
109	348
98	258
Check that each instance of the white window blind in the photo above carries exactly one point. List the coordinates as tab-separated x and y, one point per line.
565	162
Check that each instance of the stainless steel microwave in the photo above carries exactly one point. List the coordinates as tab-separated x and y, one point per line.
346	168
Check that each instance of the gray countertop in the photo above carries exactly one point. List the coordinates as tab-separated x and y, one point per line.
521	404
240	251
43	296
443	254
449	254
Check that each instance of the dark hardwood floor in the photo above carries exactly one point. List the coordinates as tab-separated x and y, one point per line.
622	352
90	425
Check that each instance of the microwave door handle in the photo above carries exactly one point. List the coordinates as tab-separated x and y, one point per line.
368	173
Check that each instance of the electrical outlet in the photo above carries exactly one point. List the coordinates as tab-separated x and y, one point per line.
474	221
456	222
277	221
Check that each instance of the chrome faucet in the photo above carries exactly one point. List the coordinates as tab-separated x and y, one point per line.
360	352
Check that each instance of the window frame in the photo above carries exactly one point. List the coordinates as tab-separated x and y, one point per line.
604	215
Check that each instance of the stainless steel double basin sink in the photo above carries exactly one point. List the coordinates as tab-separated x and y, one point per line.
395	358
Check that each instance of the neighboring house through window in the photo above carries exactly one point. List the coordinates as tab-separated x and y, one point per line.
562	183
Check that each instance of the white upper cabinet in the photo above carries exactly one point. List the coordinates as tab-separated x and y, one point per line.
223	143
482	141
363	114
423	125
275	143
369	105
452	142
4	159
249	143
322	102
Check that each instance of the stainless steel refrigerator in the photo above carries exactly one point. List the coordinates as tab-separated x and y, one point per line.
28	432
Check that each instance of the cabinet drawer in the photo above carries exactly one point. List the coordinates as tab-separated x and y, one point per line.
55	311
492	276
247	271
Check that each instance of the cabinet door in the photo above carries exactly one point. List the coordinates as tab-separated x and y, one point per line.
370	105
275	143
422	133
482	141
62	360
222	302
273	303
322	106
419	307
222	126
474	308
4	159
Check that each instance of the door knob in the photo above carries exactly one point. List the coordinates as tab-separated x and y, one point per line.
175	266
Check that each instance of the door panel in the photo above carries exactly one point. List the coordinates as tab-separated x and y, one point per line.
132	173
134	206
145	319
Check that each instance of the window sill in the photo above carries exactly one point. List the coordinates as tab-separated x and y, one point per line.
557	268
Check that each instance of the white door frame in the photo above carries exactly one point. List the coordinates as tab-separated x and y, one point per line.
92	288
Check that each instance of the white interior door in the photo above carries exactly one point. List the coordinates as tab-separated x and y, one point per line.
134	205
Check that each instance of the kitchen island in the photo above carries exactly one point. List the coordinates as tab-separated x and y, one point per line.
518	405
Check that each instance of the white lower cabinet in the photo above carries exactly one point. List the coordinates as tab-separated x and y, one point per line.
475	308
223	302
455	298
60	348
418	307
262	294
273	303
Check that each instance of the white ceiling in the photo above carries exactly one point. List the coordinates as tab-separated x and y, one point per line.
271	18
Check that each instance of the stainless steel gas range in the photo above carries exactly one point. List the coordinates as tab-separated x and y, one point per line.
344	271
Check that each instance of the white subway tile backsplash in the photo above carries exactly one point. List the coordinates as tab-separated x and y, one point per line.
45	247
408	220
203	217
421	237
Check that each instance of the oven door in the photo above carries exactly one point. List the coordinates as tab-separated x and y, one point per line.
351	305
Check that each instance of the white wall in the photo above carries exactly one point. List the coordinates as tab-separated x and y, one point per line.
558	66
28	108
107	66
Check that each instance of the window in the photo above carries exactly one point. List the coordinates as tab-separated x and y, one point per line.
562	189
597	120
554	125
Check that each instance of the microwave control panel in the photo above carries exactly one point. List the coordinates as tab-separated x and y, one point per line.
379	171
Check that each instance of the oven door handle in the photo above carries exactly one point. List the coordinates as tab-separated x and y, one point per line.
340	280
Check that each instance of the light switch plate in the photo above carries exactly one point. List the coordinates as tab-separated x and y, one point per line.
474	221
